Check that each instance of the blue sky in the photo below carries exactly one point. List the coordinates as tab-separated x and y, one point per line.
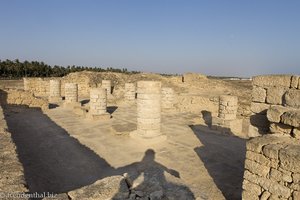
214	37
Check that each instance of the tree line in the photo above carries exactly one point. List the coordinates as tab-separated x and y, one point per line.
16	69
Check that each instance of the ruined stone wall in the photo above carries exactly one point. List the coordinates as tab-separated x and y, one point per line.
12	173
272	165
268	91
20	97
38	86
272	168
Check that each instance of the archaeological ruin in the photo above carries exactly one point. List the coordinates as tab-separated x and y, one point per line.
104	135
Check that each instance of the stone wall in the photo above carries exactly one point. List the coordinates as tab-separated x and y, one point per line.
272	165
268	91
21	97
272	168
12	173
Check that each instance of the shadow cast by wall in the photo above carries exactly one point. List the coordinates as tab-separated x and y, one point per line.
111	109
207	117
223	157
52	160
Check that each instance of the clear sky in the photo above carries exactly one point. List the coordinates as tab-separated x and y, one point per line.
214	37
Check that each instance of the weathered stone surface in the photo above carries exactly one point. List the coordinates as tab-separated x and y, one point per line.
275	95
272	80
252	188
295	81
259	94
113	187
71	92
290	158
279	128
296	195
257	168
130	91
259	108
106	84
292	98
296	177
291	118
280	176
274	113
296	133
265	195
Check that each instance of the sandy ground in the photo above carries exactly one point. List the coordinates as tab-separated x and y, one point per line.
61	151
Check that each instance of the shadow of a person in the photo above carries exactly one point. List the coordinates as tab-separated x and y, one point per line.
149	178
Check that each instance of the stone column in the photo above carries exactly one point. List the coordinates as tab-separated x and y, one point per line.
148	110
54	91
228	106
106	84
71	95
167	98
26	84
129	91
98	103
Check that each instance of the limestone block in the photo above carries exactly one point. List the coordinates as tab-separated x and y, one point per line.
257	168
259	94
279	128
290	158
292	98
291	118
296	195
259	158
279	176
275	95
265	195
259	108
272	150
272	80
274	113
113	187
296	177
295	81
247	195
256	144
296	133
252	188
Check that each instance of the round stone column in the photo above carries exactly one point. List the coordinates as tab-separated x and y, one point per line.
228	106
167	98
98	101
54	90
148	109
106	84
130	90
71	93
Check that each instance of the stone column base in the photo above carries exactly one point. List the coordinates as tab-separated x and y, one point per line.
105	116
149	140
234	127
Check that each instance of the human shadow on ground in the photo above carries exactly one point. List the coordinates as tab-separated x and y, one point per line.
149	177
223	157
